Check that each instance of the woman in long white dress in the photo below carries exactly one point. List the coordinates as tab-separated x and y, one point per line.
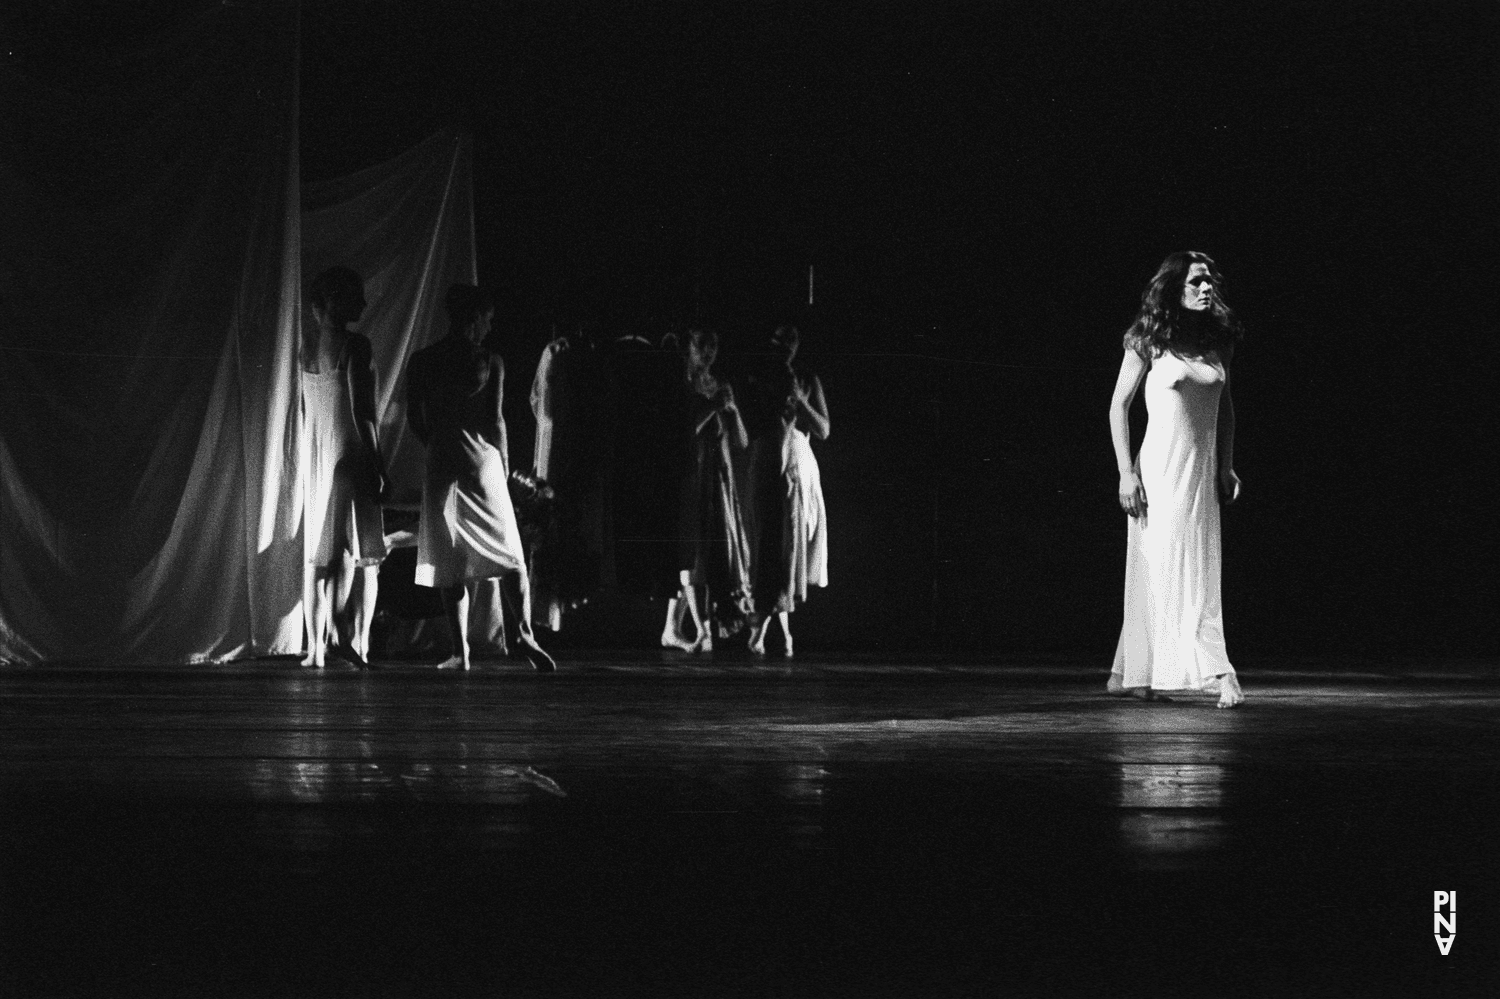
468	531
342	527
1180	347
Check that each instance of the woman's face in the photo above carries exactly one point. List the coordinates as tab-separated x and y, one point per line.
704	352
1197	288
343	308
785	342
481	327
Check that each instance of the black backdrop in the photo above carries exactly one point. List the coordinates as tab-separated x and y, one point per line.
984	189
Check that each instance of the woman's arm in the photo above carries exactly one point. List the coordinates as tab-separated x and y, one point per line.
736	429
1133	368
361	375
705	409
812	409
497	434
1229	482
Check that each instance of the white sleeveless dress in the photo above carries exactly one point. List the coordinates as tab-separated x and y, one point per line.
341	520
1173	633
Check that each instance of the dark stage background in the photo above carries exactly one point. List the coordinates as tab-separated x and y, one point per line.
984	189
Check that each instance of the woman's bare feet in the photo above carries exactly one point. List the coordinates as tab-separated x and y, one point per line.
757	642
705	643
1230	694
454	662
786	651
313	659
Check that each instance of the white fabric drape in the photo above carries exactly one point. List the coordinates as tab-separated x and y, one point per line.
407	227
149	260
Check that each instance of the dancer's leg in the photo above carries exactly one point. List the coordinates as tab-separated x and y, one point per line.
456	607
364	611
758	630
693	594
310	628
322	614
671	629
520	643
786	630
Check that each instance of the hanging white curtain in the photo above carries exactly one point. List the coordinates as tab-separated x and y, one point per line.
149	262
407	227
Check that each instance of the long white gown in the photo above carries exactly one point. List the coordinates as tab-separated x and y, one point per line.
1173	633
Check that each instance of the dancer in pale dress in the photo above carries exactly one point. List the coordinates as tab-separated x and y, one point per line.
790	535
1180	346
468	530
342	528
713	549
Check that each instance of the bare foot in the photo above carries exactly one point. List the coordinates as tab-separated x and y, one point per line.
453	662
1116	686
786	652
312	660
672	640
533	653
705	643
346	651
1230	694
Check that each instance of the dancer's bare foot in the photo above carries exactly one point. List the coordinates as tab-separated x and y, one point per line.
673	640
533	653
346	651
454	662
705	643
757	640
1116	686
1230	694
312	659
786	651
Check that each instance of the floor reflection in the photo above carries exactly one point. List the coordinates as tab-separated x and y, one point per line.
802	787
323	753
1171	774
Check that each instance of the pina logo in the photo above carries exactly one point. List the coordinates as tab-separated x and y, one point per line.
1442	923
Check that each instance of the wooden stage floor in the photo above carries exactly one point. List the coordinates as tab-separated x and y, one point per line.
646	825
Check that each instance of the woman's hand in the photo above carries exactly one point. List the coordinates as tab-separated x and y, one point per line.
1229	486
1132	494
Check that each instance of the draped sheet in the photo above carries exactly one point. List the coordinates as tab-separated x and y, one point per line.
407	227
148	306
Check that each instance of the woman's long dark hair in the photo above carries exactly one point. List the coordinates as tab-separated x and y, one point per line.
1161	326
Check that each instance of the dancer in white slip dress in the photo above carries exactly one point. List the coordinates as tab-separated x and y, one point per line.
789	542
343	532
468	531
1180	346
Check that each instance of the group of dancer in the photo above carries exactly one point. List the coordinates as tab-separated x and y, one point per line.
467	530
752	534
753	525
